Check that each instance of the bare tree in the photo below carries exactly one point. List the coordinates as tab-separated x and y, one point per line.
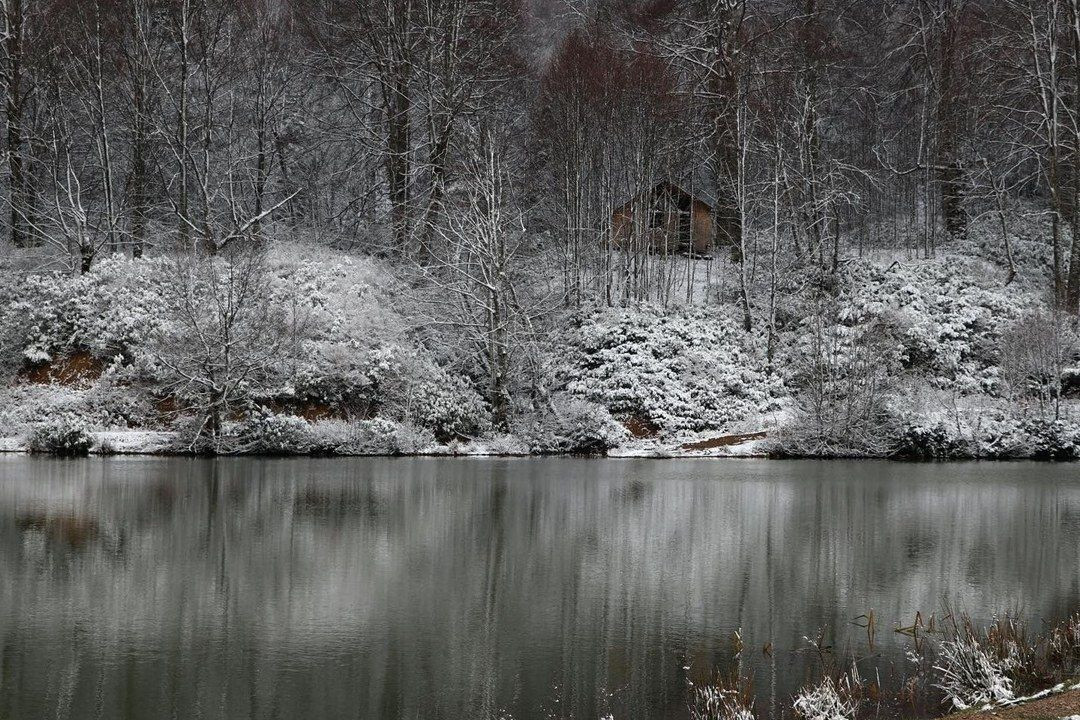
481	241
227	332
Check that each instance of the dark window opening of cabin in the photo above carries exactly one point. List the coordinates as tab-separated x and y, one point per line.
685	226
658	216
671	212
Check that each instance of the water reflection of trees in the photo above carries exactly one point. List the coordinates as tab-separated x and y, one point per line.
453	588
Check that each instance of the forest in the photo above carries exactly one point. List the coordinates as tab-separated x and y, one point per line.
841	227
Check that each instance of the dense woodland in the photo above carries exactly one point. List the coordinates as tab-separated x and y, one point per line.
385	225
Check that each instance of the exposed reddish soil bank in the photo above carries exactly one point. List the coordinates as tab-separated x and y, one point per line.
724	441
1053	707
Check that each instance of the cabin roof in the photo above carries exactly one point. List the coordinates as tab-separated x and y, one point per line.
695	184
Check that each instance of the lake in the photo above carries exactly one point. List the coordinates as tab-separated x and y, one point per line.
486	588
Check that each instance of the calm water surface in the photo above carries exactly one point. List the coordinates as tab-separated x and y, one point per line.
426	588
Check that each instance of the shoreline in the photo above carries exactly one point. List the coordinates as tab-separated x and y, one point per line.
155	443
1062	701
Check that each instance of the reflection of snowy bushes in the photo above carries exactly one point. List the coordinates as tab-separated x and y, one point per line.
969	674
684	370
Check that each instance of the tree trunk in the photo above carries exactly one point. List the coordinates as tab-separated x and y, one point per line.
138	177
13	71
1072	292
724	87
949	171
398	167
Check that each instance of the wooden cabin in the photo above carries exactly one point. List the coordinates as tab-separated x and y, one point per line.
665	218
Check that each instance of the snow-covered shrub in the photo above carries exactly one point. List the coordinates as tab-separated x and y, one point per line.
66	435
22	406
110	310
499	444
969	674
376	436
270	434
108	403
343	375
573	426
721	701
946	321
846	379
932	440
232	335
1051	439
48	314
447	405
829	699
126	306
678	370
1036	349
1028	228
410	439
354	351
111	402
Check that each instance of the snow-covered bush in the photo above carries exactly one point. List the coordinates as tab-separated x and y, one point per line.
969	674
846	379
232	334
1050	439
499	444
354	350
112	402
410	439
931	440
573	426
110	310
342	375
66	435
829	699
22	406
721	701
678	370
1028	228
946	320
447	405
1035	352
107	403
377	436
267	433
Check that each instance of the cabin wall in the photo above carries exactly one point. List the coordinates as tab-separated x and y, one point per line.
701	227
622	224
664	238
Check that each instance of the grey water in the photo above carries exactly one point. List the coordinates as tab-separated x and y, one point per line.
487	588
